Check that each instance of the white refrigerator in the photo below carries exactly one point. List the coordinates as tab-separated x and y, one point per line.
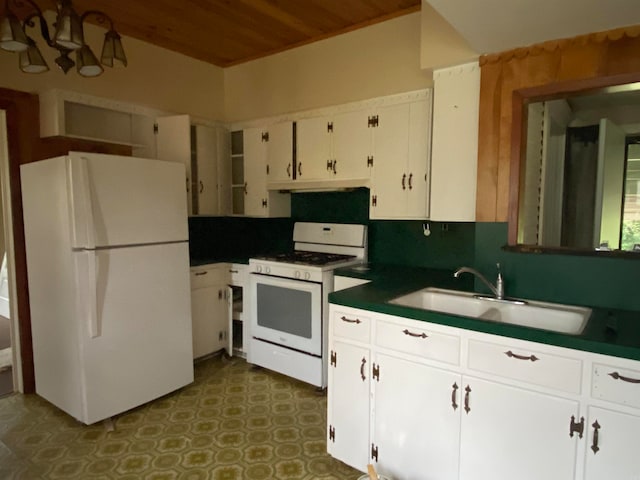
108	272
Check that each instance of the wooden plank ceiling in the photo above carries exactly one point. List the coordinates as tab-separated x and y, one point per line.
228	32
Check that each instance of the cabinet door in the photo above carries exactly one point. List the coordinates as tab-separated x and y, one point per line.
255	174
173	143
280	152
313	149
206	143
224	170
204	304
351	145
348	404
454	153
418	159
389	186
508	432
416	426
614	453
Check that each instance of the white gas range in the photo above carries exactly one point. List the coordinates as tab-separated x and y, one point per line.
289	299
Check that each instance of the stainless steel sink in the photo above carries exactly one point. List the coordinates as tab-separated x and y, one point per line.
555	317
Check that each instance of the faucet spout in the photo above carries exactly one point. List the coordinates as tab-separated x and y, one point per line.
497	289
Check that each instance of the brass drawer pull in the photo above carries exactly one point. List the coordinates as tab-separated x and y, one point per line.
200	273
417	335
617	376
594	446
362	375
453	396
467	408
348	320
510	354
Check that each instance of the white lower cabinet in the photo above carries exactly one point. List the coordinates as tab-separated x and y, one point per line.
416	427
612	445
431	402
209	308
510	432
349	381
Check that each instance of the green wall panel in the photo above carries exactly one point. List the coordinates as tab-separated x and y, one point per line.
600	282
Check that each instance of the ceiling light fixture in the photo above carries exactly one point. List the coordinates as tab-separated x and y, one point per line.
68	37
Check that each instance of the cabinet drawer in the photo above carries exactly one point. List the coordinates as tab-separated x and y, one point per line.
353	326
207	276
616	384
418	340
526	365
237	272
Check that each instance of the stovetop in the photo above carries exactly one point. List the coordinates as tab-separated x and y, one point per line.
301	257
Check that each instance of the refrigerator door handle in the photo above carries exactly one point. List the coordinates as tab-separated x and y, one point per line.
80	201
94	322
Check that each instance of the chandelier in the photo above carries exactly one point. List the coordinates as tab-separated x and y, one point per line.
67	38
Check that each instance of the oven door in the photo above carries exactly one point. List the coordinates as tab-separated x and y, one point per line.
287	312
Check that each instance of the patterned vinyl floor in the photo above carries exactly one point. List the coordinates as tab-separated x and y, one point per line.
234	422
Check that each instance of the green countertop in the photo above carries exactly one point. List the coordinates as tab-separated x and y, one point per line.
608	331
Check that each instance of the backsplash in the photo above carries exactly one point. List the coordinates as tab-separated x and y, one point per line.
229	238
600	282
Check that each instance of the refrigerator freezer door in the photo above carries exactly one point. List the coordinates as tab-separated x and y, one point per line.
125	201
143	349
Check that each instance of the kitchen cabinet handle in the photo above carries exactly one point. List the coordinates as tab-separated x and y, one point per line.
454	395
417	335
300	169
200	273
233	271
617	376
594	445
289	170
201	186
404	180
362	375
510	354
467	390
335	162
245	188
410	177
348	320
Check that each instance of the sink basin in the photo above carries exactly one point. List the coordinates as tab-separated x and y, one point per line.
555	317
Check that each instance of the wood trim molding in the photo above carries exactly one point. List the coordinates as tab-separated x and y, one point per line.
548	69
25	146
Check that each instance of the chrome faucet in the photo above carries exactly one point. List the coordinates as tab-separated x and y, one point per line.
498	289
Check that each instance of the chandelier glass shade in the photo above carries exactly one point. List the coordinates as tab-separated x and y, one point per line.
68	37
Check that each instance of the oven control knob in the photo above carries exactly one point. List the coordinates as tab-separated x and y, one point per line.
297	274
259	268
267	270
307	275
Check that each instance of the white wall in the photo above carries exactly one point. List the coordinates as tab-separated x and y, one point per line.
378	60
155	77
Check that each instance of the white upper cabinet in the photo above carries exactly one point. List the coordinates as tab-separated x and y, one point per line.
204	151
454	151
334	148
400	178
279	144
258	201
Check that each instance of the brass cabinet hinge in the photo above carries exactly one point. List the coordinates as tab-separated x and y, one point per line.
334	358
265	136
370	161
576	427
374	452
372	121
332	434
374	200
376	372
330	127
